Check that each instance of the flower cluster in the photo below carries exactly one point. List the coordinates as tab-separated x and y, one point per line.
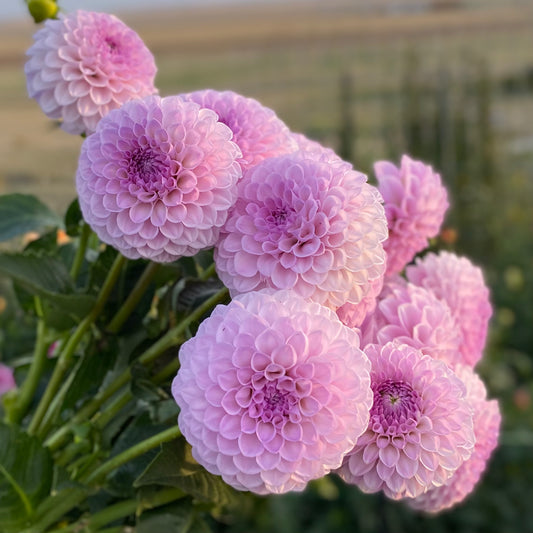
326	359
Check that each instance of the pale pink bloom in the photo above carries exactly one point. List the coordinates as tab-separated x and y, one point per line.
487	421
257	130
314	150
353	315
273	390
7	380
84	64
304	225
414	315
157	178
420	429
415	205
460	284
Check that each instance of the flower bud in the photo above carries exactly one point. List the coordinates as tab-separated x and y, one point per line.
42	9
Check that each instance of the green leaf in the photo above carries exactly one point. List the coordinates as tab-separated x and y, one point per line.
26	472
47	277
178	517
141	428
73	219
20	213
175	466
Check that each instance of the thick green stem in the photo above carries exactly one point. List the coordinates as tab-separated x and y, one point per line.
92	524
80	252
98	476
133	299
64	360
27	391
171	338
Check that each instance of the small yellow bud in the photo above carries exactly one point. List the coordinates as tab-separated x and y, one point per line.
42	9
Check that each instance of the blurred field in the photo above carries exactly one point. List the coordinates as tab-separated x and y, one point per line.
291	58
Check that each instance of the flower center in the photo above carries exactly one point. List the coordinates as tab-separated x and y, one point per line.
273	405
148	169
396	406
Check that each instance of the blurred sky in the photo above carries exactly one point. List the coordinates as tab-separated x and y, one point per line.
13	9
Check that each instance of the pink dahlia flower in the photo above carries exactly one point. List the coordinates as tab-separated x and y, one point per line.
273	390
314	150
457	282
84	64
353	315
487	420
415	204
415	316
7	380
157	178
257	130
420	429
304	225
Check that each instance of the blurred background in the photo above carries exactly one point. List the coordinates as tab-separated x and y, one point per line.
447	81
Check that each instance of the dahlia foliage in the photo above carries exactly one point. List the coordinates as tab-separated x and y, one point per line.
330	346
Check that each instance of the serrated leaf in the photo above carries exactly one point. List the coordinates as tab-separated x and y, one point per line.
26	472
175	466
21	213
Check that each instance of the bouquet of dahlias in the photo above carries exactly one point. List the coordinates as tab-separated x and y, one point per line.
231	306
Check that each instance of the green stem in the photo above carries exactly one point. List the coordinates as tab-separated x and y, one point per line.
27	391
80	252
134	297
171	338
209	272
123	509
65	357
98	476
57	506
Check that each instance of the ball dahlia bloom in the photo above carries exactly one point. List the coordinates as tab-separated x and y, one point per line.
487	421
257	130
7	380
420	429
273	391
415	316
157	178
415	205
84	64
460	284
304	225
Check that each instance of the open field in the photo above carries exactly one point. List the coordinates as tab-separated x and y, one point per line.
291	58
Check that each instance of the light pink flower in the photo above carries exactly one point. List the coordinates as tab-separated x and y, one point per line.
415	316
7	380
304	225
314	150
84	64
420	429
353	315
157	178
487	420
415	205
273	390
257	130
456	281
